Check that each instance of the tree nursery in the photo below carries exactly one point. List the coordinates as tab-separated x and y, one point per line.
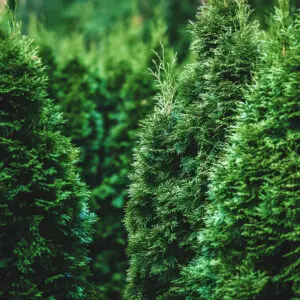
149	150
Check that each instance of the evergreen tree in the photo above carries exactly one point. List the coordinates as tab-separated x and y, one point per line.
45	225
250	244
77	90
178	145
75	85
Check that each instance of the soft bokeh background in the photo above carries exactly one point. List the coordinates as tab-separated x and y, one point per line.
97	54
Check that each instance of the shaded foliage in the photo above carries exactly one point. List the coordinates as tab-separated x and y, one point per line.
45	220
103	91
124	56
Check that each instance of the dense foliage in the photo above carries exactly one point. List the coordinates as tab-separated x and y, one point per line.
250	244
177	15
103	101
178	145
45	221
211	210
124	57
96	18
77	88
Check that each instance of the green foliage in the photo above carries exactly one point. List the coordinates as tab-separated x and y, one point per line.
177	14
95	18
76	87
250	244
125	56
103	93
262	9
147	261
178	145
45	222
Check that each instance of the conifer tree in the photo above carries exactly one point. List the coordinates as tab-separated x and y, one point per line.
77	90
75	85
178	145
250	244
45	223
